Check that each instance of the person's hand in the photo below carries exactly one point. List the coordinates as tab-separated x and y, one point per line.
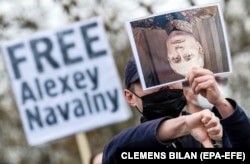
202	81
204	126
212	124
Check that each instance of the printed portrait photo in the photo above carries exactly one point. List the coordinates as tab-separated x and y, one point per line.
167	46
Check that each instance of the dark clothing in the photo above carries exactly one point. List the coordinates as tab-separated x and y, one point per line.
236	129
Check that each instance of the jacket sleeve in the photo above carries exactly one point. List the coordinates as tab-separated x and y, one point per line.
237	126
141	136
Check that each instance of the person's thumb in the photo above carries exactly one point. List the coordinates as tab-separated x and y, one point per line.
207	143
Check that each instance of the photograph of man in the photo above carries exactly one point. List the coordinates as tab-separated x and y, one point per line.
184	52
170	45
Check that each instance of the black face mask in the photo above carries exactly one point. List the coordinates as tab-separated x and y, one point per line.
166	102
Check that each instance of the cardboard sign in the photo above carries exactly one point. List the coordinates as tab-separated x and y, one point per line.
167	46
65	81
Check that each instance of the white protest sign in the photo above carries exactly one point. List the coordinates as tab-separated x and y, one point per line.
65	81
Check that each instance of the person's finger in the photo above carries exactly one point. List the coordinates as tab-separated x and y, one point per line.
215	133
207	143
199	86
207	115
216	137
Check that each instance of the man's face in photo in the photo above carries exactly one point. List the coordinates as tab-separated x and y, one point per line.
184	52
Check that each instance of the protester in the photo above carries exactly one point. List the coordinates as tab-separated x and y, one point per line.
164	125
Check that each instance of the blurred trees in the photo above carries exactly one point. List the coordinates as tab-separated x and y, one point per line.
19	19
